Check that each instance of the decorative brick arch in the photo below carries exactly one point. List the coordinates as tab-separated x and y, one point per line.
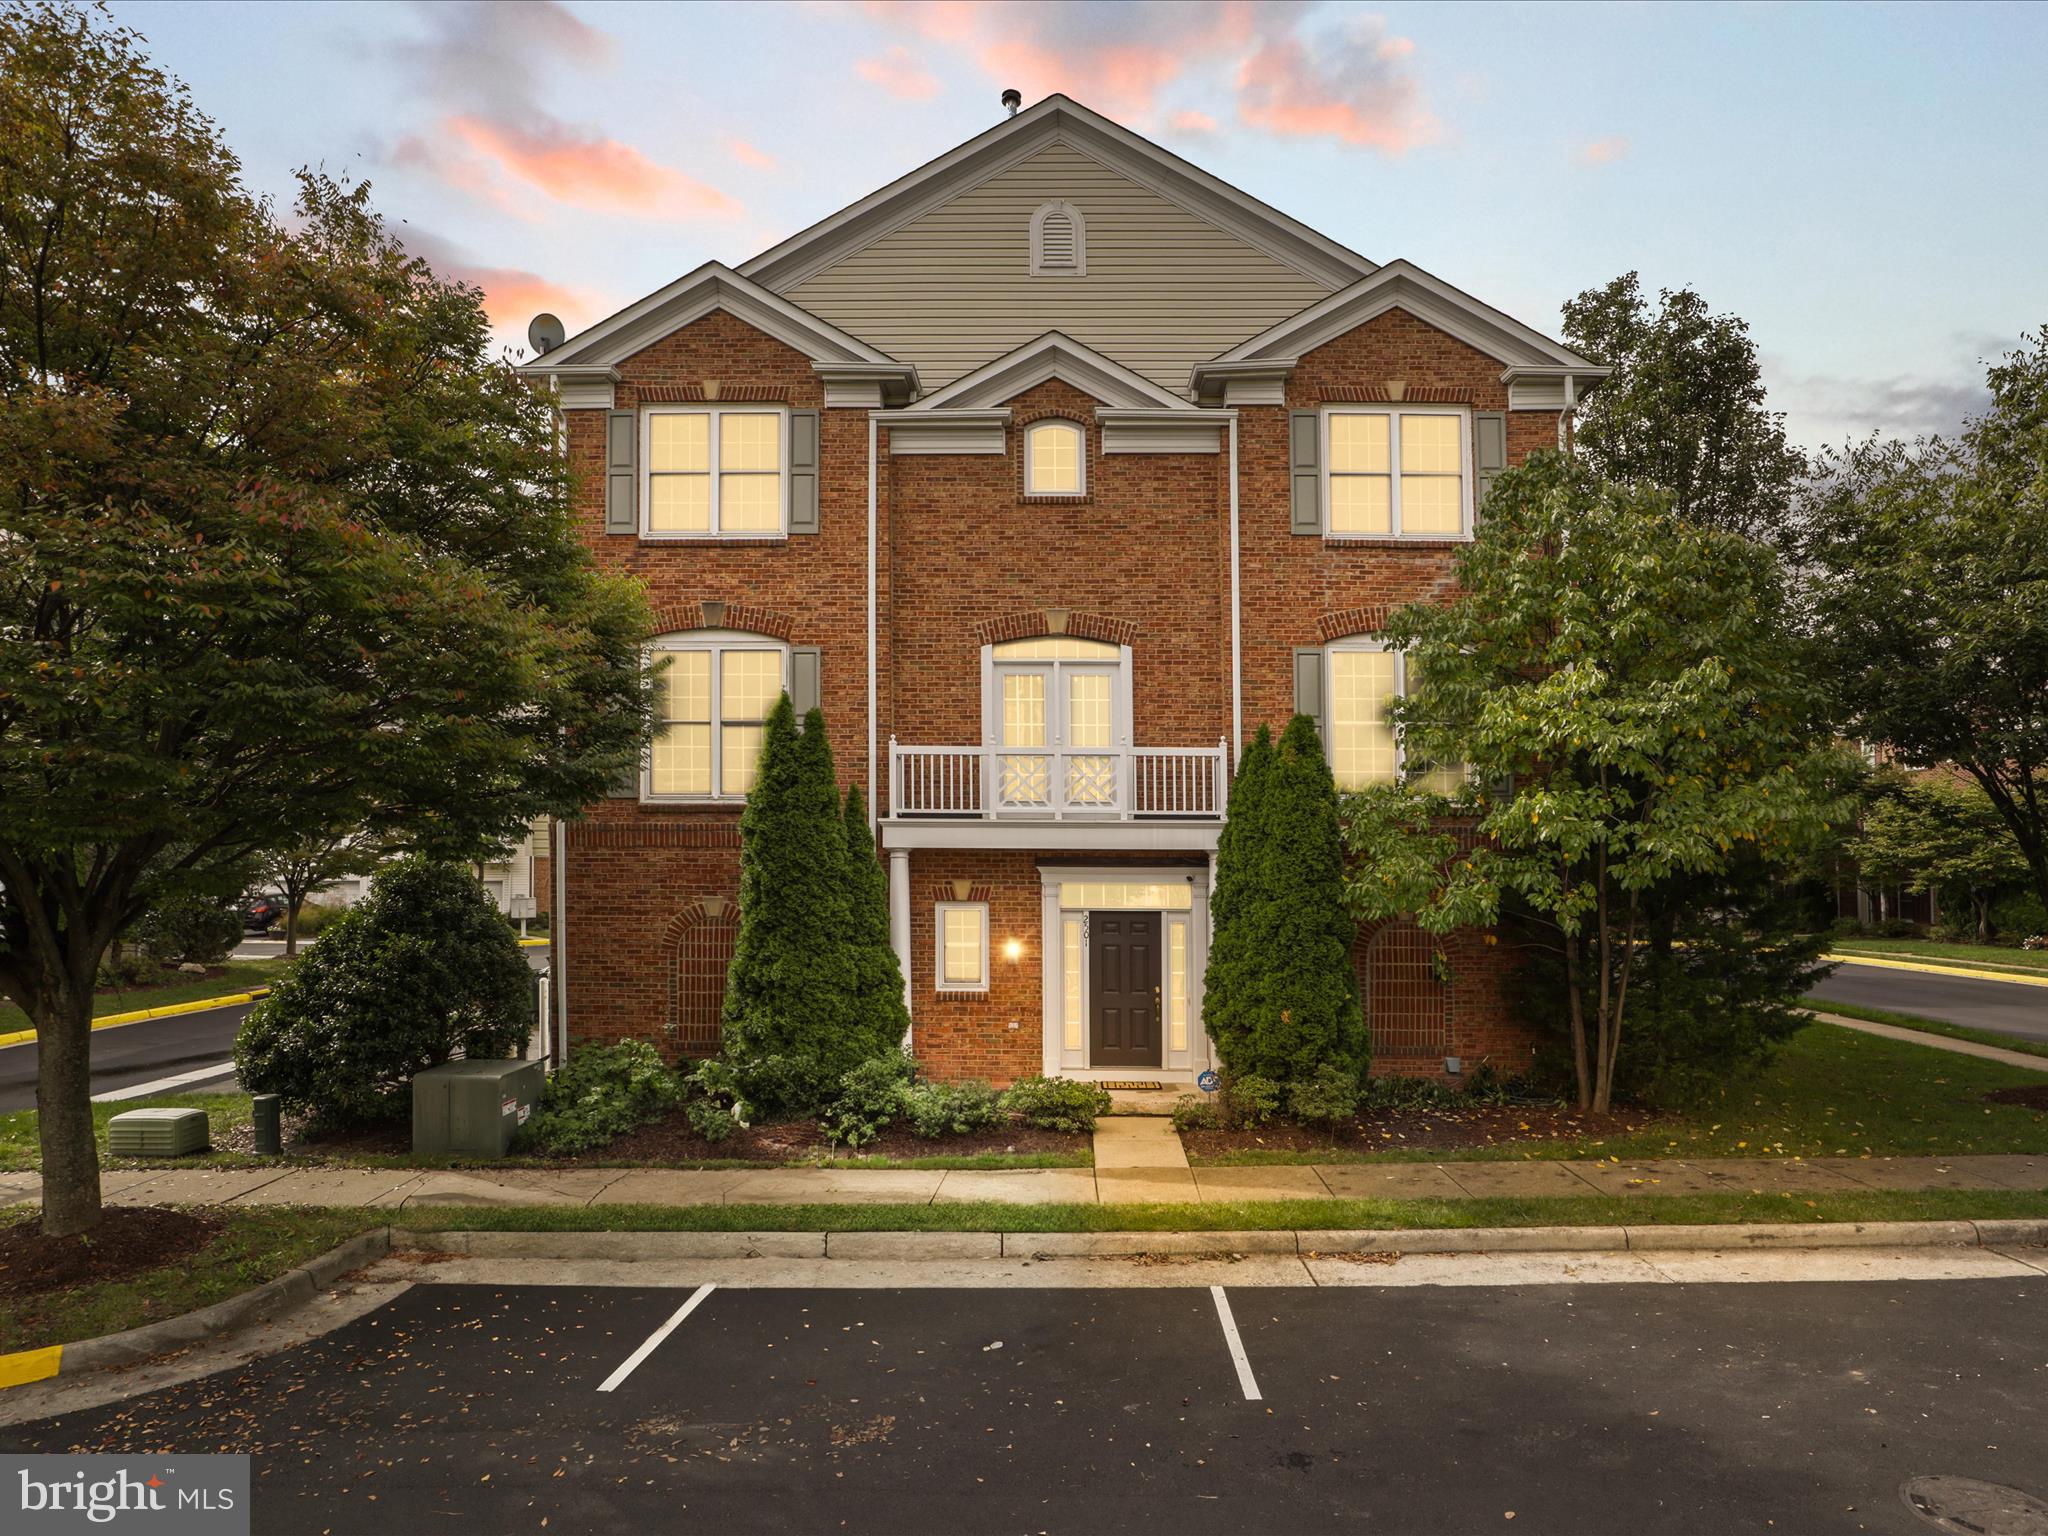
1029	623
1407	1000
751	618
699	943
1366	619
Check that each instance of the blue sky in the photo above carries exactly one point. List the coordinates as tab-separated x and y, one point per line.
1861	183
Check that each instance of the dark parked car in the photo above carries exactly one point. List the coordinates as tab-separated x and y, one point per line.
261	913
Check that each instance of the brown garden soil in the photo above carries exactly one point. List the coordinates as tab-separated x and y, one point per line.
671	1142
1481	1125
2030	1096
129	1240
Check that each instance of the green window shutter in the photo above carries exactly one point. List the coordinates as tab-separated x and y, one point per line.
804	692
803	471
1305	469
1308	689
621	472
1490	434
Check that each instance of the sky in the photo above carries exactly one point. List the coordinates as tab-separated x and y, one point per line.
1860	183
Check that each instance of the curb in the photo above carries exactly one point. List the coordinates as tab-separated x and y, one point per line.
954	1246
222	1319
1931	968
144	1015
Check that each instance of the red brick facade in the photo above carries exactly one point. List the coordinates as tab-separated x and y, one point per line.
965	559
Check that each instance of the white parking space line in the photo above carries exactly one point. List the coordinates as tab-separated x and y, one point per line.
655	1338
164	1084
1245	1378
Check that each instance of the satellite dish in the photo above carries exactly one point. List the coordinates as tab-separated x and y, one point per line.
546	333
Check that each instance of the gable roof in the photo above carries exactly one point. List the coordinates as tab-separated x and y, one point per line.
1051	356
715	286
1057	119
1524	353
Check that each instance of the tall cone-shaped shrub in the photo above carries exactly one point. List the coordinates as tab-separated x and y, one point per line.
880	1016
1282	991
788	995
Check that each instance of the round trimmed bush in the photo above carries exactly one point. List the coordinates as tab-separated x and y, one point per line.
423	968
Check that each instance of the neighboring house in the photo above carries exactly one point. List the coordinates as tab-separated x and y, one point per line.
1052	471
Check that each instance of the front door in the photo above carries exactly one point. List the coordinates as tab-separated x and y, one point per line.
1123	1002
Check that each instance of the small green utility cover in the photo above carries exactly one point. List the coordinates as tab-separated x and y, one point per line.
157	1133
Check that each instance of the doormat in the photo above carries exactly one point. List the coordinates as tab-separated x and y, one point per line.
1132	1087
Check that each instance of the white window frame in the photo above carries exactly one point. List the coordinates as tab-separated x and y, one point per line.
717	642
1038	218
1080	455
714	412
1394	413
939	911
1364	643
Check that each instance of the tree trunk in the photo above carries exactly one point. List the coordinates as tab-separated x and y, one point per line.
1575	995
1982	901
71	1164
291	925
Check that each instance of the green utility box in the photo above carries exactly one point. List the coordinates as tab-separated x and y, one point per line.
157	1133
473	1108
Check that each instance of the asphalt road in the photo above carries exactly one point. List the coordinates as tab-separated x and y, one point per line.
150	1052
1571	1409
1998	1005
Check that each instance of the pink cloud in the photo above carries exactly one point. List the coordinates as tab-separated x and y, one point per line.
1602	151
1115	57
748	154
587	171
513	297
897	71
1354	87
1194	124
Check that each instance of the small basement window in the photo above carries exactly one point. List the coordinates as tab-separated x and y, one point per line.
1059	241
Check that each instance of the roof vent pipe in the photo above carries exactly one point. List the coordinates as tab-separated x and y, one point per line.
1012	100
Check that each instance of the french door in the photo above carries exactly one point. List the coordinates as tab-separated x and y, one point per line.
1058	729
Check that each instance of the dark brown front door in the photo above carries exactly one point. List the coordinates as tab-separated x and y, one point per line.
1123	1001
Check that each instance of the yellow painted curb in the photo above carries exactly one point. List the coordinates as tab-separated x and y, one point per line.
1931	969
142	1015
531	943
30	1365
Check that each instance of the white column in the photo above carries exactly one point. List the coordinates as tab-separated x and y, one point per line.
899	918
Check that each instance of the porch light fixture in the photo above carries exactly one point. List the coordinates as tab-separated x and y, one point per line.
1013	949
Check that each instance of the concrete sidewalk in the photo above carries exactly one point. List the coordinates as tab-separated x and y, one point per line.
388	1189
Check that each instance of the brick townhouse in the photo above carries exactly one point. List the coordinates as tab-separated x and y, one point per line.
1051	471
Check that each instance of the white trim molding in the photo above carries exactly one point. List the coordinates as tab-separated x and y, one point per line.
1053	355
1161	431
946	431
940	911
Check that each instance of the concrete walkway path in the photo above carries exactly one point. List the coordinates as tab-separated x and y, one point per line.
1996	1053
1110	1183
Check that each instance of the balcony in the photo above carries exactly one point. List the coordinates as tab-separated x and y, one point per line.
1012	784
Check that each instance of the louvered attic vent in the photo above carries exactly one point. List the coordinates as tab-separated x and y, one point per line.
1059	241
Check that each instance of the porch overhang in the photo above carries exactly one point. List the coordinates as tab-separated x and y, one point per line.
1048	836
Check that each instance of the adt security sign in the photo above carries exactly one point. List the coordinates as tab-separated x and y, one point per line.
1209	1082
161	1495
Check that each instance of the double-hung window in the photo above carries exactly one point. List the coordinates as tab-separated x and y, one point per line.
715	472
961	929
1364	680
714	699
1399	473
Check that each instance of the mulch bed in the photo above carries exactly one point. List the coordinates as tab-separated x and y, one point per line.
129	1240
671	1142
2031	1096
1480	1125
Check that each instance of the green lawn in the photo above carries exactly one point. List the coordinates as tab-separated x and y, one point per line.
1932	1026
227	1116
241	976
260	1244
1831	1092
1989	957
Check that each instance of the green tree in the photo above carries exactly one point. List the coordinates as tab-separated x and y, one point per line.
789	1015
422	967
882	1016
1616	679
282	548
1929	595
1283	998
1684	408
298	871
1943	836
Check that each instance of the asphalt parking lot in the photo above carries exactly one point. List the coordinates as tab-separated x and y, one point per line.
1568	1408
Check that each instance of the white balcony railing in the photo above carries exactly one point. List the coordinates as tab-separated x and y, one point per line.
1056	785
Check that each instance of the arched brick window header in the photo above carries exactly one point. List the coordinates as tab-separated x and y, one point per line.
753	619
1032	622
1368	619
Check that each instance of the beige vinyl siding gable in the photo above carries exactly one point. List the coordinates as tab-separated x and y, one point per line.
953	288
